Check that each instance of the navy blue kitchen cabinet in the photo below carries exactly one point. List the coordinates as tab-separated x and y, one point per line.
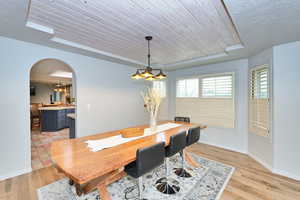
55	120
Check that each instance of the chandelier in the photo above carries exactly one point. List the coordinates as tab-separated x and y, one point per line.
147	73
60	88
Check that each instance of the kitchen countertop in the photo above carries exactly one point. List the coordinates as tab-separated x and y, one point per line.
71	115
57	108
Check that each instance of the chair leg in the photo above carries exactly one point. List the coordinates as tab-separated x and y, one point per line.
166	184
140	187
71	182
181	172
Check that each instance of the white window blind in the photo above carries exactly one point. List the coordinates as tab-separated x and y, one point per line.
215	104
187	88
259	101
160	86
217	86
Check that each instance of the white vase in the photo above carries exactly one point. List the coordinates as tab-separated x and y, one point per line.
153	125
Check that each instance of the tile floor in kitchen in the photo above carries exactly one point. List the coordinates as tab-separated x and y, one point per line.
40	146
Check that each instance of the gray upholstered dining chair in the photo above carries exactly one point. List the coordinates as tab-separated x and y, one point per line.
192	137
147	159
182	119
166	184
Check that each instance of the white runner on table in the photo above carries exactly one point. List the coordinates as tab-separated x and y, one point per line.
97	145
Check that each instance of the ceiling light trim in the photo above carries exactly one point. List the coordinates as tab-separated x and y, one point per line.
39	27
234	48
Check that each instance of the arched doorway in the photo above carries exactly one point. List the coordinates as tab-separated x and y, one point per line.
52	108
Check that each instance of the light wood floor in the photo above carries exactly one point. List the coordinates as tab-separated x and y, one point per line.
250	180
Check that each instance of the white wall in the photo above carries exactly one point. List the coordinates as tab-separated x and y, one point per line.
42	93
287	110
233	139
261	148
106	99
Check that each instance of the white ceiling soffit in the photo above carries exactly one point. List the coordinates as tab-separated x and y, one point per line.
184	31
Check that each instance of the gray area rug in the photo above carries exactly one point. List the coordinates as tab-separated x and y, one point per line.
207	183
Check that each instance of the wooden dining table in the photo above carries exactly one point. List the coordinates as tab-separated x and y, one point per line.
89	170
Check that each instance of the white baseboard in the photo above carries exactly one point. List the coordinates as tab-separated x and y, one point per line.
275	171
15	173
286	174
262	162
223	147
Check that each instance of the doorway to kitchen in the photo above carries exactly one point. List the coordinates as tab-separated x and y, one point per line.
52	108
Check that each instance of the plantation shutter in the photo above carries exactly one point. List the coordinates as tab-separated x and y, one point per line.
219	86
259	101
215	104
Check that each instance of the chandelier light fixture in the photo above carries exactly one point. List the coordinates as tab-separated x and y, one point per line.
60	88
147	73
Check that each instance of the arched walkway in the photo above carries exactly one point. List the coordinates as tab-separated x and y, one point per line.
52	107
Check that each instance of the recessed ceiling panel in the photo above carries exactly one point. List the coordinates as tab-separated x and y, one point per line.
182	29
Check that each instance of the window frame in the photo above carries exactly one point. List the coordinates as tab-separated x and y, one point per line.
251	96
188	78
200	77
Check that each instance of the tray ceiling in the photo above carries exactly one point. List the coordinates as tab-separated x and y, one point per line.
182	29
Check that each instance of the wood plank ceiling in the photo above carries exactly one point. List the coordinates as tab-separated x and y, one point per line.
182	29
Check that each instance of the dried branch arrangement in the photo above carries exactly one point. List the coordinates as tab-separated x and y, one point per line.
152	101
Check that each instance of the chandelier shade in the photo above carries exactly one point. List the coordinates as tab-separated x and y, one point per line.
160	75
137	75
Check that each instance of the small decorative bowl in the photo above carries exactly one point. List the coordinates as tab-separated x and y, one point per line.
132	132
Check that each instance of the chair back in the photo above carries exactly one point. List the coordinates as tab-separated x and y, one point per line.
182	119
193	136
149	158
34	110
177	143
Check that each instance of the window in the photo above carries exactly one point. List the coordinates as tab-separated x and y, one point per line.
259	101
217	86
160	86
215	104
187	88
259	83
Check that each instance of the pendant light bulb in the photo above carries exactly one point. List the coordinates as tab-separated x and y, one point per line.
150	78
147	72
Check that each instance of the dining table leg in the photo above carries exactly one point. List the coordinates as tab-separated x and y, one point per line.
101	184
78	188
104	194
